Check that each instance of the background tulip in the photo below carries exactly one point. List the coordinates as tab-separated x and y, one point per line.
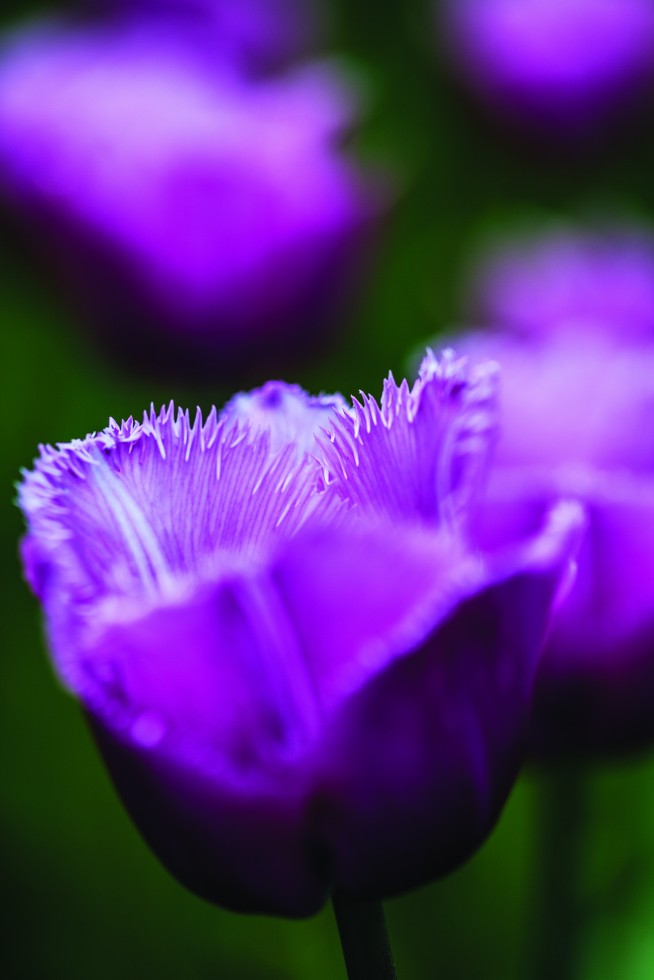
563	66
564	277
577	401
204	219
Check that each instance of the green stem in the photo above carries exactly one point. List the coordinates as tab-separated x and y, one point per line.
364	938
562	817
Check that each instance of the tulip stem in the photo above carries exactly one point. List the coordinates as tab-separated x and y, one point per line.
561	913
364	938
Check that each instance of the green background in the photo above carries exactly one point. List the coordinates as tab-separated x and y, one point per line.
83	897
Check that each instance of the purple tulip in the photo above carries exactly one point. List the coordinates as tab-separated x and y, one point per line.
598	280
577	407
300	675
191	212
568	65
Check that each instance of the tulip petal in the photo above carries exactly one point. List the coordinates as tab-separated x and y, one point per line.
419	453
439	735
130	511
286	412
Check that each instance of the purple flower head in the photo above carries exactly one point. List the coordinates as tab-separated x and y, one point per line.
577	406
188	209
568	278
568	65
299	673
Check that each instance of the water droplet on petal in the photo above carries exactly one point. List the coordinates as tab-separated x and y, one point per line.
148	730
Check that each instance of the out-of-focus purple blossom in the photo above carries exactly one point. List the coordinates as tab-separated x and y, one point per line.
300	675
189	210
259	34
571	65
567	277
577	410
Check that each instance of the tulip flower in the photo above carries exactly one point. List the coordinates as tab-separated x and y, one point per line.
564	66
301	676
563	277
577	406
191	212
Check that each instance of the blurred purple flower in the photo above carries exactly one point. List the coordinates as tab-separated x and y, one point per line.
299	674
190	211
586	279
577	409
569	64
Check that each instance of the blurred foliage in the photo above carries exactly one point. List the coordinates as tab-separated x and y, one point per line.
83	897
